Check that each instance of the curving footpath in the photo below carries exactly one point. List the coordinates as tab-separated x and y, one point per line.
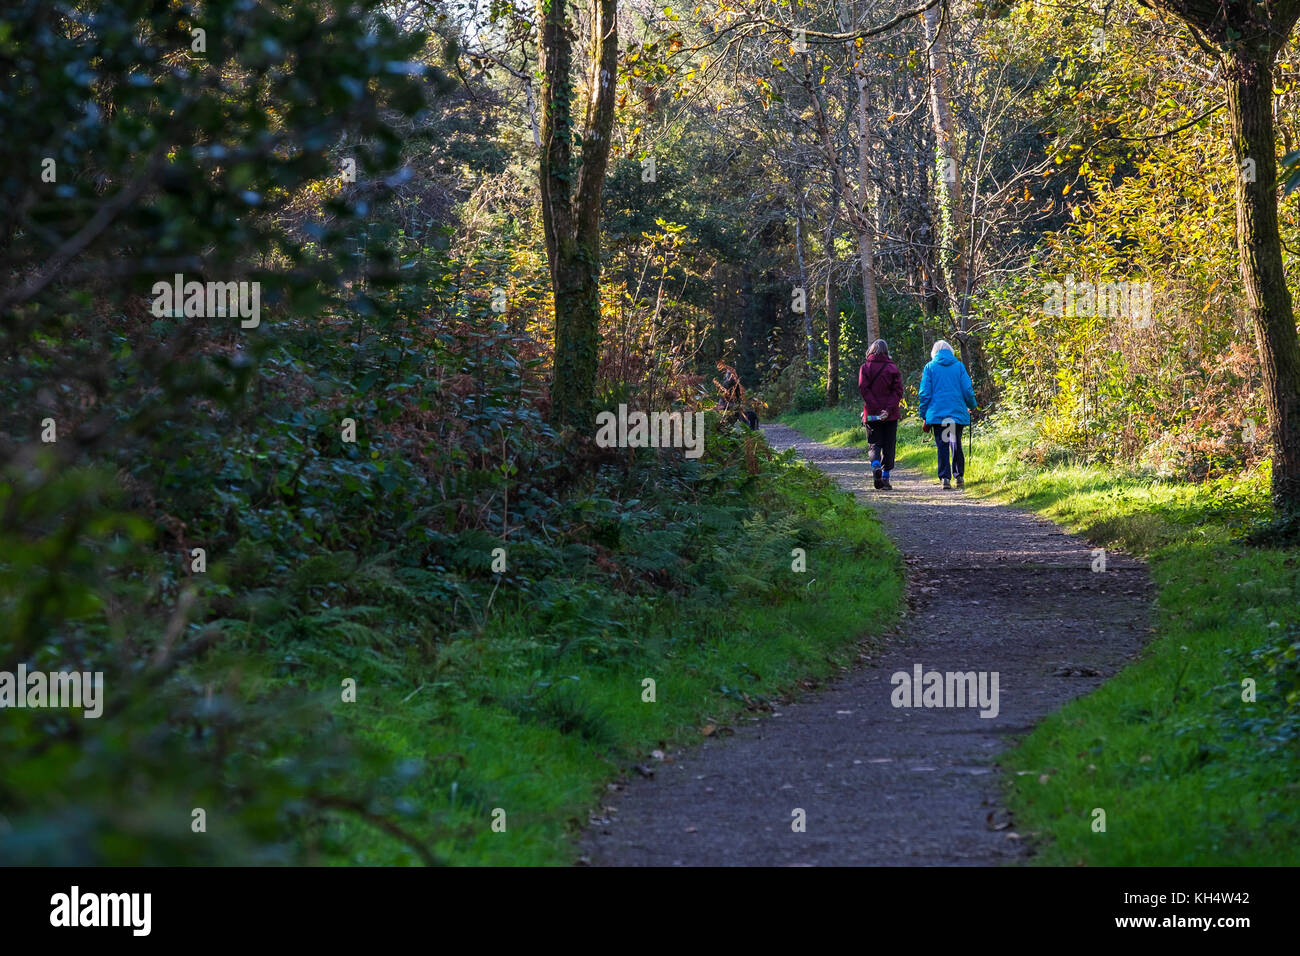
991	589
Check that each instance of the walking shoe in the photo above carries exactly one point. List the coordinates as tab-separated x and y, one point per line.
960	482
947	486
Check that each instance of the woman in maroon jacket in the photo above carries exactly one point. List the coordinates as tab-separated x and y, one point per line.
881	386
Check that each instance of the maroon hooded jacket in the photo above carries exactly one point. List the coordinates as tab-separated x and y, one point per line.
881	386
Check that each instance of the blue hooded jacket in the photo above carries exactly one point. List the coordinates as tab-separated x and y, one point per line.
946	391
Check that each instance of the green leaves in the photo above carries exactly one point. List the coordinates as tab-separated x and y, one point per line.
177	433
1289	171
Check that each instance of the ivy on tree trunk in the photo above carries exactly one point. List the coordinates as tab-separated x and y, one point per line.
571	190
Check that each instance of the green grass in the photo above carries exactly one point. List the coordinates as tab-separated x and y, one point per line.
511	720
1185	770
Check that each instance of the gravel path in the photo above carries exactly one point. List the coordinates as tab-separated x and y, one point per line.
991	589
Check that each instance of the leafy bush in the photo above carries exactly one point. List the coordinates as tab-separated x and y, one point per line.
1273	719
808	398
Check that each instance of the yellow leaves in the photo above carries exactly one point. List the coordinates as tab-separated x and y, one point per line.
1209	301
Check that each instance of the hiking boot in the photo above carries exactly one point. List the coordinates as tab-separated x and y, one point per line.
876	477
947	485
960	482
884	483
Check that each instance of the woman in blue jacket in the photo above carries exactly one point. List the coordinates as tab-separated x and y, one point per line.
946	401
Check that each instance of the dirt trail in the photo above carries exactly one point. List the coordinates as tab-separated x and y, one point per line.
992	589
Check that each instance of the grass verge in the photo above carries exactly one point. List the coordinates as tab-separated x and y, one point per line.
1187	769
525	722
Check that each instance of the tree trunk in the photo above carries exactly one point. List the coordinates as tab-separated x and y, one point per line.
955	242
1250	108
832	344
866	250
1251	35
571	204
809	342
832	316
858	206
952	208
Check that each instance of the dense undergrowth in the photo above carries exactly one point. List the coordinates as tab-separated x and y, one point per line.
346	587
1187	771
386	638
683	577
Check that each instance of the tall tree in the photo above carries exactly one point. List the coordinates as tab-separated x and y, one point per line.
861	215
571	190
1248	35
809	341
954	252
832	315
854	192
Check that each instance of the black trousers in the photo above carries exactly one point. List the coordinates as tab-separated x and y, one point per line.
953	432
882	436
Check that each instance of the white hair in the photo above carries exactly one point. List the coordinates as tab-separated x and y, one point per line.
939	347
